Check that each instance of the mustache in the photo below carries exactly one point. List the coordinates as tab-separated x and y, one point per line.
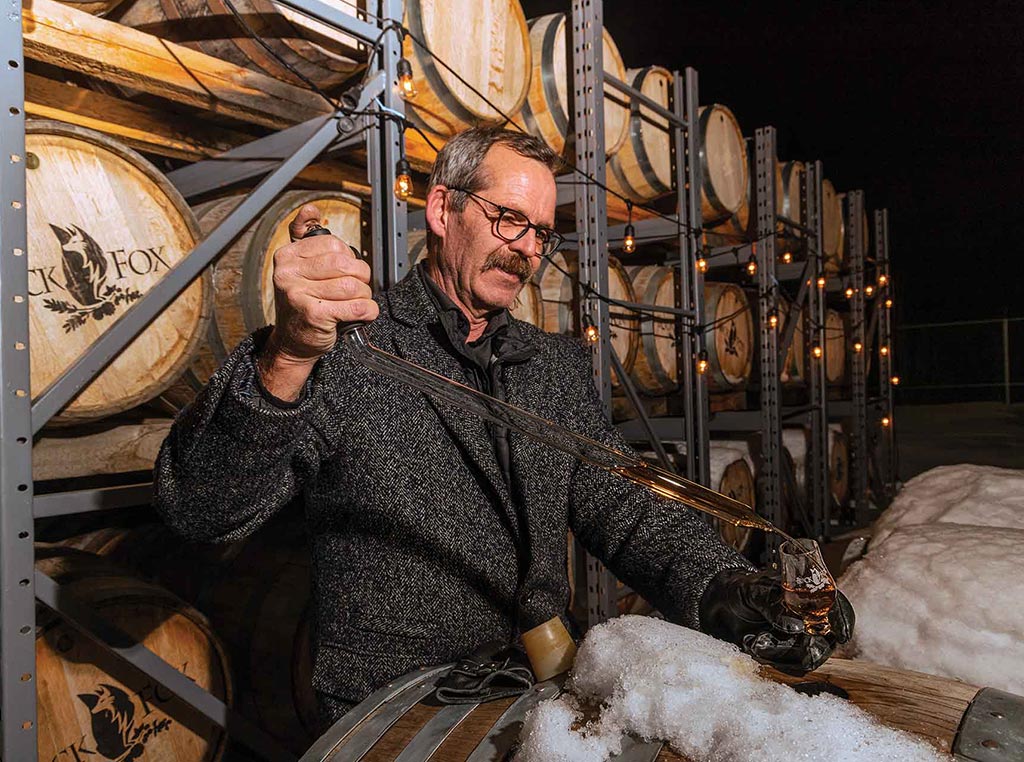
510	263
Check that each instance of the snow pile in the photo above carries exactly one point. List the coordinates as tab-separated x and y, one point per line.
963	494
944	599
706	699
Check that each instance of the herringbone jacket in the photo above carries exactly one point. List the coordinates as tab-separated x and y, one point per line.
413	529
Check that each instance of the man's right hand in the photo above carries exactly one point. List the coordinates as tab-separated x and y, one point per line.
318	283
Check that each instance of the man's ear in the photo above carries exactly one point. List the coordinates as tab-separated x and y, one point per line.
438	211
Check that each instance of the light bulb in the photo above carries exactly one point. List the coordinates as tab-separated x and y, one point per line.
886	421
592	335
849	292
821	281
816	352
883	351
702	363
405	84
787	257
883	279
895	380
888	303
773	320
857	346
403	179
629	240
702	265
869	290
752	266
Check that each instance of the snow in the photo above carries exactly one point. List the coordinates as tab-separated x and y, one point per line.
943	598
654	679
962	494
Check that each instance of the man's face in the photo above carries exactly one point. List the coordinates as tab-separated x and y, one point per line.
489	272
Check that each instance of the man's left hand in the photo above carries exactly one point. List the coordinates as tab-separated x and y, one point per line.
746	608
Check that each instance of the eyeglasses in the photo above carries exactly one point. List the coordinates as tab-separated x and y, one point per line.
512	225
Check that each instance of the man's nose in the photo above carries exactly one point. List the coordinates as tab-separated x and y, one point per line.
527	245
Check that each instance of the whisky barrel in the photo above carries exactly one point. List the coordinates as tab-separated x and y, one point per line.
486	42
546	110
724	163
741	226
797	443
95	7
528	307
89	698
561	304
791	175
935	709
835	347
256	595
832	227
320	53
729	334
642	169
243	276
732	475
104	227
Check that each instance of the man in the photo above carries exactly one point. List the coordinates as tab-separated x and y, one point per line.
431	531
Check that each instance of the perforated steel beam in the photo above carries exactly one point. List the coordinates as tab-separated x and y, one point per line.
858	371
886	364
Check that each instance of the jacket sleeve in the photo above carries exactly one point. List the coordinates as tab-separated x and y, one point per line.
663	550
232	459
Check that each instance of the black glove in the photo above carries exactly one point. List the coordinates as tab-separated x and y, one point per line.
495	670
745	608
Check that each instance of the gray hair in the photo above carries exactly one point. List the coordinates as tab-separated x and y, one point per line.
460	164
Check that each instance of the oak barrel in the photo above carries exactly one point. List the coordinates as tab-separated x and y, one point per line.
546	110
832	227
95	7
561	303
256	595
528	306
90	699
486	42
642	168
729	334
797	443
402	717
724	163
243	276
320	53
835	347
791	175
741	225
731	474
104	227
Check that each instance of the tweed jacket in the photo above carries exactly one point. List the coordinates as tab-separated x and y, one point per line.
421	551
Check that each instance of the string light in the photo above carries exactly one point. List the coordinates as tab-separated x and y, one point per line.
886	421
590	331
702	264
817	352
787	257
883	279
883	351
752	266
857	346
773	320
403	179
895	380
821	281
869	290
405	84
888	303
702	362
629	240
849	292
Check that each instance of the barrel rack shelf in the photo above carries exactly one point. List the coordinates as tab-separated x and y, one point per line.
264	128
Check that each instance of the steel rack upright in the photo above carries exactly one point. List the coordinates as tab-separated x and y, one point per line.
588	88
887	467
288	152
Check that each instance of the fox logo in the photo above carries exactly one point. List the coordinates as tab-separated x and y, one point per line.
85	267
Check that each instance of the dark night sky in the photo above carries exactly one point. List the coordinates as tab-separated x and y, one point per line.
919	105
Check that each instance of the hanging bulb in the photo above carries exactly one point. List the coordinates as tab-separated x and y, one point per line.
752	266
821	281
869	290
787	257
883	351
629	240
702	264
888	303
895	380
403	179
405	84
817	352
773	320
590	332
883	279
886	421
849	292
857	346
702	362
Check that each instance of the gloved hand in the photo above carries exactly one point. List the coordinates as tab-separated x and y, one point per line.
745	608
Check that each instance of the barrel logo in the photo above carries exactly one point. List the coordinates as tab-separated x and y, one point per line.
87	271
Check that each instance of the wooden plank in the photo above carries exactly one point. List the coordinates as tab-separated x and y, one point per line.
60	35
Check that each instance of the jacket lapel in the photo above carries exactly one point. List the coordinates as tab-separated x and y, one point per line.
409	304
